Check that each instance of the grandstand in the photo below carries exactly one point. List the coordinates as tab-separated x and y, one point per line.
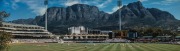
116	40
24	33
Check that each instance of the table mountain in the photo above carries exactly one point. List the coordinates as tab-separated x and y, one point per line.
133	15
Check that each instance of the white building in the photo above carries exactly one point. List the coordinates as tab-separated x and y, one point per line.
81	34
77	30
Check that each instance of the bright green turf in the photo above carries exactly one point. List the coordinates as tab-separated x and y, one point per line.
97	47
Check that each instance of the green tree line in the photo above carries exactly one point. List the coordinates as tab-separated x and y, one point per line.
5	37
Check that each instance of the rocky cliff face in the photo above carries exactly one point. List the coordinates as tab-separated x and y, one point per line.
133	15
136	15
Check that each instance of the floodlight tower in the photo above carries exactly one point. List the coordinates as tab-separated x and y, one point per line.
46	4
119	3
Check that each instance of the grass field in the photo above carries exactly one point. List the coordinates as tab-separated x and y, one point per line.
95	47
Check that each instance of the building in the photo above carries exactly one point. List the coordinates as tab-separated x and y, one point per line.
178	29
132	34
77	30
24	31
92	31
121	34
82	34
96	32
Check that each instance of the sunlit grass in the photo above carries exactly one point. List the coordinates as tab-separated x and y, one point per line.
95	47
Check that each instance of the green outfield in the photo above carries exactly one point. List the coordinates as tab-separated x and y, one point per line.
95	47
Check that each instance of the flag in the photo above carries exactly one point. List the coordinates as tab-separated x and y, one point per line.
45	2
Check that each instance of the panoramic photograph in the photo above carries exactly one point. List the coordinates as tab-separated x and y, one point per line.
89	25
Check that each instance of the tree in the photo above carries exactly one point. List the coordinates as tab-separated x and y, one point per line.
140	31
5	37
3	15
156	32
173	35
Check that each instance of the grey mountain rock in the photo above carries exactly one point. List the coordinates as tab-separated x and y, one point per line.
133	15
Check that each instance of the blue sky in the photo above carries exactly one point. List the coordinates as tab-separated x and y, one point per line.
23	9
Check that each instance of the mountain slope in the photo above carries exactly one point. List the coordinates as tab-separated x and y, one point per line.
133	15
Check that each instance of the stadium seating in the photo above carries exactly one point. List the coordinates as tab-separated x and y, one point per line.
117	40
34	40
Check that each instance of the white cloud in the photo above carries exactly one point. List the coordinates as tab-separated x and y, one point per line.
102	5
38	8
41	11
12	4
6	3
98	3
114	9
166	2
91	2
170	1
35	5
17	0
71	2
143	0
